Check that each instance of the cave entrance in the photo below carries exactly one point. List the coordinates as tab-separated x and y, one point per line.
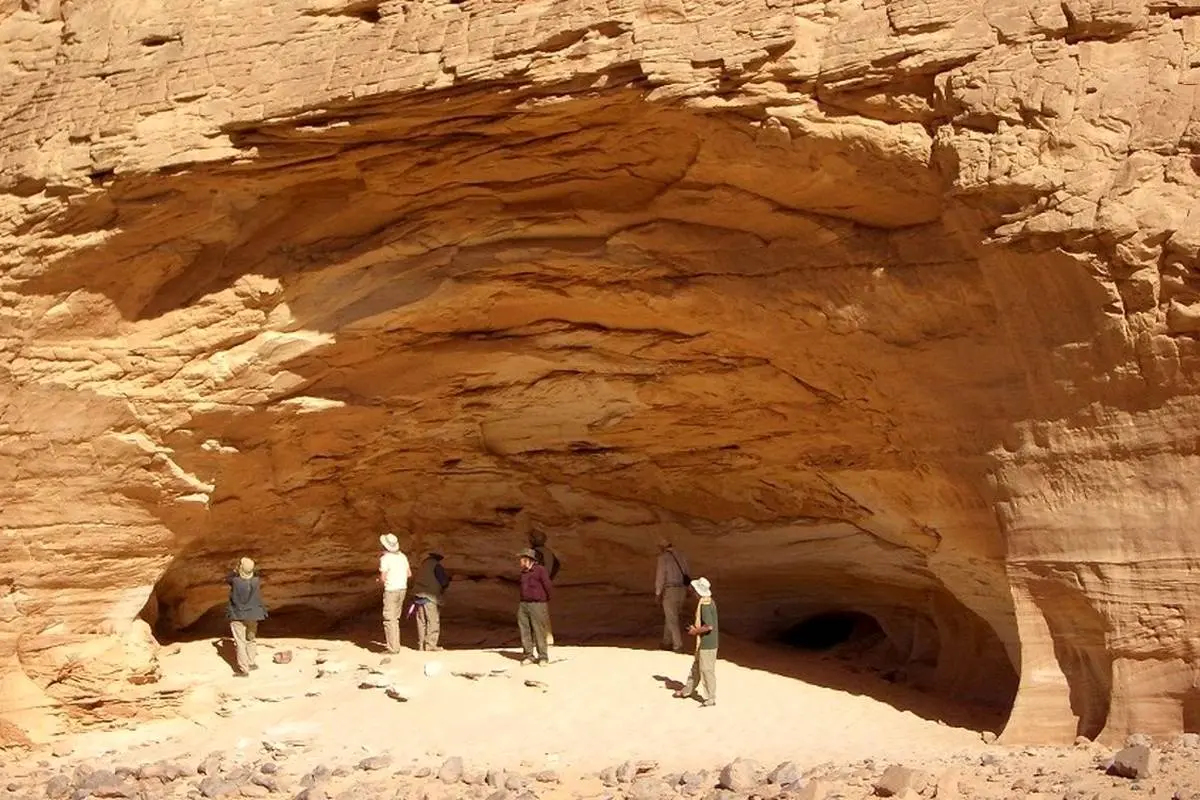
623	318
832	630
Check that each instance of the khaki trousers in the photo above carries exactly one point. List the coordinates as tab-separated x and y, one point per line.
393	606
673	599
704	671
429	624
244	634
533	620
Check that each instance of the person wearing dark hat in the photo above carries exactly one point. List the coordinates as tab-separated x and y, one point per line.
704	628
533	612
550	560
429	585
245	610
394	572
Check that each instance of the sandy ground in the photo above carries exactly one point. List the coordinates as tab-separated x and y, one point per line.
593	707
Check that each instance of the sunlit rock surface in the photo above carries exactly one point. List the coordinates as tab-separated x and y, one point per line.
887	307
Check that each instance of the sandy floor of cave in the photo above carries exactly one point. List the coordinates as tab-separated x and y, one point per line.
600	706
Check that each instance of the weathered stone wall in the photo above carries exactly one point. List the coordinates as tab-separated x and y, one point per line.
887	306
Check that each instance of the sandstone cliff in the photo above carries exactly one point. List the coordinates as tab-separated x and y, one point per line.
878	305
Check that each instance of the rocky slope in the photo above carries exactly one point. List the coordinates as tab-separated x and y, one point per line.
875	305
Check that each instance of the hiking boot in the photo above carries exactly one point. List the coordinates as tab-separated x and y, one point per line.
527	660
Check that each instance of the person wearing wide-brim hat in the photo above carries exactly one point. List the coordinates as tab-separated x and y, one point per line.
704	628
245	610
394	572
533	611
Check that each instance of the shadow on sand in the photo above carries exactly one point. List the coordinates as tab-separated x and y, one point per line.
829	671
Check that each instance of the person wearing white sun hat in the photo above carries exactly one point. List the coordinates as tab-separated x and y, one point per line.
245	610
394	572
704	628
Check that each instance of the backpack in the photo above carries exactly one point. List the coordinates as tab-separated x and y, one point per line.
543	551
687	579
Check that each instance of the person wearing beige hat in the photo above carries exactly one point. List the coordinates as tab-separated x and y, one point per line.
705	629
394	572
245	611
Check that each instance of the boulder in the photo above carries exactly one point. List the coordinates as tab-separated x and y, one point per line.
1133	762
896	779
451	770
739	776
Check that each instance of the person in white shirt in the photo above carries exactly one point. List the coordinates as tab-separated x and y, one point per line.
670	588
394	572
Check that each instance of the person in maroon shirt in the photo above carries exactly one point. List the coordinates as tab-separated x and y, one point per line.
533	612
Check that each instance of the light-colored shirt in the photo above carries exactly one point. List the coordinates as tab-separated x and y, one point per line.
669	572
395	571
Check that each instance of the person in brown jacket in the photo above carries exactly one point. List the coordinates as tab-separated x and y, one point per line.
533	612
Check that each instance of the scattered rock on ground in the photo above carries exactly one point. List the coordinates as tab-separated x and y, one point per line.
896	779
739	776
372	763
1133	762
59	787
451	771
813	790
649	789
785	774
215	786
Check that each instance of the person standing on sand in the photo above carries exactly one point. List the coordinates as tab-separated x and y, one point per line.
533	612
394	572
704	628
245	611
550	560
670	588
429	585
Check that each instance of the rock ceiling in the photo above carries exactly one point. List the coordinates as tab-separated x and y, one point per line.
887	307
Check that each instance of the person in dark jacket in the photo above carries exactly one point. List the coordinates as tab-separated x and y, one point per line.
550	560
429	585
533	614
245	611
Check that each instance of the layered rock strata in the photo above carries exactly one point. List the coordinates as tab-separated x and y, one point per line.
886	307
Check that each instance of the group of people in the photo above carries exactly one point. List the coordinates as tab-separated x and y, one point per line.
539	566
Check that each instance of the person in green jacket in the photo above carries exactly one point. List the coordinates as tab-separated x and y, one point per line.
705	629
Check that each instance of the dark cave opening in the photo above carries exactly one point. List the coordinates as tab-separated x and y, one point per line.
828	630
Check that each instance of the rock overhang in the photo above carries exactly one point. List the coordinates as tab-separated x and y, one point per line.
732	298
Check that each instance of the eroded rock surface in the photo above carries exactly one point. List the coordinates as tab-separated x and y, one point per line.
877	306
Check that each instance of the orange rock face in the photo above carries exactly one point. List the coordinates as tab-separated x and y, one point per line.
886	307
